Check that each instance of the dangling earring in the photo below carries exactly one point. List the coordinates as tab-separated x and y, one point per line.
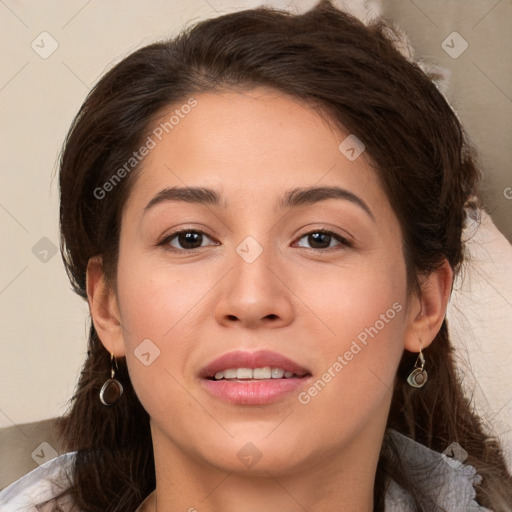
418	376
112	390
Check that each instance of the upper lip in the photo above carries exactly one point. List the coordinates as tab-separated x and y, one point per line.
259	359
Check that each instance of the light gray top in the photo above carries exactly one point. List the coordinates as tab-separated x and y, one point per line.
444	481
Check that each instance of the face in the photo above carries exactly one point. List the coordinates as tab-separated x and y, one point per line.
318	282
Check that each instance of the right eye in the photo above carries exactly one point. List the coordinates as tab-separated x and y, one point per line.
189	239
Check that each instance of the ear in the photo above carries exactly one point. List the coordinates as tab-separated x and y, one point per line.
427	311
104	308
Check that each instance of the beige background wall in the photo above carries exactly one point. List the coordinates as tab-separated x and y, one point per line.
480	83
43	326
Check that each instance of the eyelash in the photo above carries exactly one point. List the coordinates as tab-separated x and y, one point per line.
344	243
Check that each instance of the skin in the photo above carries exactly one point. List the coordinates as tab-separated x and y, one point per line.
305	302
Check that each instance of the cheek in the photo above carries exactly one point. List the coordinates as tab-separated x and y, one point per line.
356	377
160	312
363	301
365	310
156	301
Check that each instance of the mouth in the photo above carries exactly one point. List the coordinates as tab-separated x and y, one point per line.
253	378
264	373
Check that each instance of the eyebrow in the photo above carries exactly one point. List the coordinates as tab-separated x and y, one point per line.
294	197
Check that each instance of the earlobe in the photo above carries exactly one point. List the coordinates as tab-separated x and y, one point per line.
430	308
104	308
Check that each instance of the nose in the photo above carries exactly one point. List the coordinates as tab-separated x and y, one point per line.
254	292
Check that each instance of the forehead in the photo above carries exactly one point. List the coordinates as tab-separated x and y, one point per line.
252	145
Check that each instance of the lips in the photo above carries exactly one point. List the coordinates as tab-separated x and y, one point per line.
247	391
253	360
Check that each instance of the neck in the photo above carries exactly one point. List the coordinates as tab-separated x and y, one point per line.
339	480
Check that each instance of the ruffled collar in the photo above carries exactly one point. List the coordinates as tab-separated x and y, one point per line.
443	483
439	479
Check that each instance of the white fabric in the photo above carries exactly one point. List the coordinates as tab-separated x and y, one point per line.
40	485
446	485
479	321
449	486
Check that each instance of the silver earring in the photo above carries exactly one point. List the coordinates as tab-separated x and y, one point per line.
112	389
418	377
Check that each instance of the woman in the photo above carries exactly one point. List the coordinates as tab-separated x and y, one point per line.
265	217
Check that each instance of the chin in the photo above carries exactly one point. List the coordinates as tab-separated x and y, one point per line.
258	457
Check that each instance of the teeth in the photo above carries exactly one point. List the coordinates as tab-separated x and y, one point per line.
262	373
244	373
258	373
277	373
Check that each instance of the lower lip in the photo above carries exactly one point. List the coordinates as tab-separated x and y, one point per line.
253	392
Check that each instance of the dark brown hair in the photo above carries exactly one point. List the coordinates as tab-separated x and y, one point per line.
355	75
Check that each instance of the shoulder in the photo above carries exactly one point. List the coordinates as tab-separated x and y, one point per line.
440	478
40	485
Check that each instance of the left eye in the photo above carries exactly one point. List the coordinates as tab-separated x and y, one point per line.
322	239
